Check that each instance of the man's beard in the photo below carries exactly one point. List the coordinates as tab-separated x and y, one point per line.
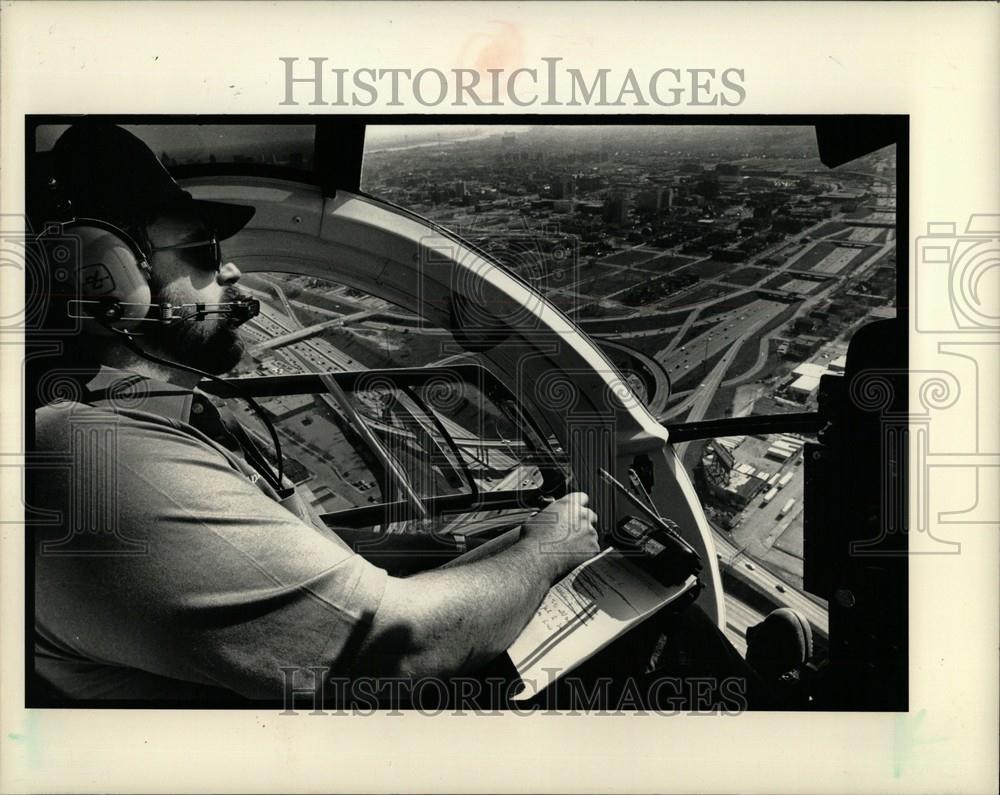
213	344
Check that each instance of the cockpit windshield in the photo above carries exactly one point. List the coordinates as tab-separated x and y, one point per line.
455	435
438	418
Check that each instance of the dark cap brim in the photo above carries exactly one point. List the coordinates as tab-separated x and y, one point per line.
226	219
107	172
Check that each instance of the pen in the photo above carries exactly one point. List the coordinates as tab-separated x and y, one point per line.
634	479
652	515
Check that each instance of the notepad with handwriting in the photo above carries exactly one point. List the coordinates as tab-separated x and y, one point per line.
598	601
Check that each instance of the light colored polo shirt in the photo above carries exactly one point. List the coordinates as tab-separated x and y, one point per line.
164	571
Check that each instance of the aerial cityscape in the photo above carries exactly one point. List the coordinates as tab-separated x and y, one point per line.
723	269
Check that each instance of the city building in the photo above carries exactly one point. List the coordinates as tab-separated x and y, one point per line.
729	486
616	208
284	407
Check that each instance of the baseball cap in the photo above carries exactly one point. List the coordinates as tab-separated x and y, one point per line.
109	173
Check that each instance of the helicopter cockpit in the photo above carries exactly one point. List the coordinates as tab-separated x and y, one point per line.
431	389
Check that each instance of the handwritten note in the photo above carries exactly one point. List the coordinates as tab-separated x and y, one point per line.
591	606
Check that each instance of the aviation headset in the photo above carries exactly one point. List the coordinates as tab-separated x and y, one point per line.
105	277
109	276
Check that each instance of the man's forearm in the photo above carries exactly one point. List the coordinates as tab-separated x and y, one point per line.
456	619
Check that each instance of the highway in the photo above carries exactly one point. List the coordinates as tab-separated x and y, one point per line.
685	327
732	561
805	305
731	328
480	521
658	400
763	350
662	382
700	398
626	335
309	331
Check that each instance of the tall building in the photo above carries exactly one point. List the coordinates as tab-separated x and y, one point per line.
562	188
616	208
655	198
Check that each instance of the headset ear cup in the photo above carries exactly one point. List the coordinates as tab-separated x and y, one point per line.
110	271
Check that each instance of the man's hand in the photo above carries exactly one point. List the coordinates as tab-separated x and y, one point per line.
563	534
443	622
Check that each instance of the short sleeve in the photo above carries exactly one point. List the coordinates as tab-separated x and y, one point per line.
203	578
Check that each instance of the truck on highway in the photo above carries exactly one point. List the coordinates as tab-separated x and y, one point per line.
786	508
768	497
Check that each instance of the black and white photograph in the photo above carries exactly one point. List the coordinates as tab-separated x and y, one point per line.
417	397
559	414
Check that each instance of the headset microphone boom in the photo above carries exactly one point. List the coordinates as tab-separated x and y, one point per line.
110	285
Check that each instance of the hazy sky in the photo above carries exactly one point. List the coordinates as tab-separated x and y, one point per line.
395	133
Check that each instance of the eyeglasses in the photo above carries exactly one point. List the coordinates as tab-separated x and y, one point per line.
211	259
